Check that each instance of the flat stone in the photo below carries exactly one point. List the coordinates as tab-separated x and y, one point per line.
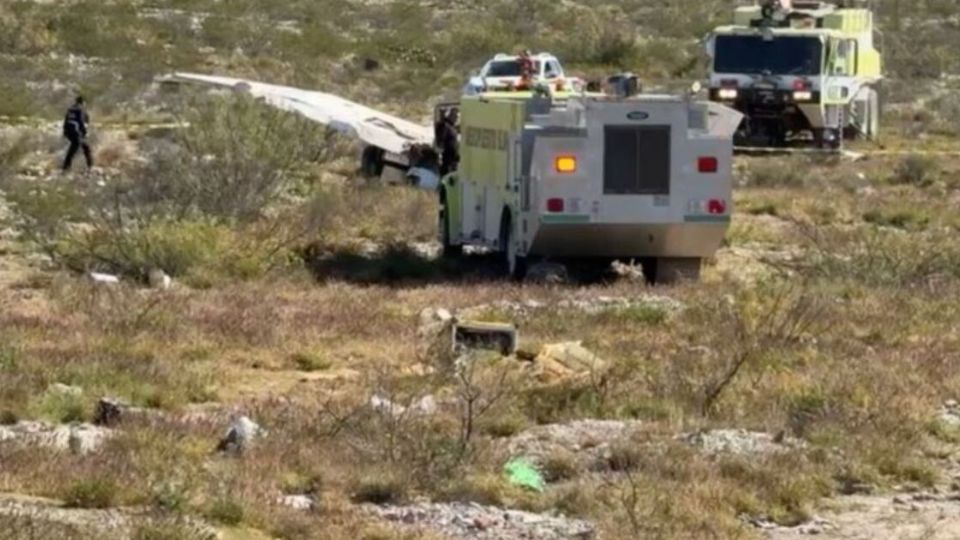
76	438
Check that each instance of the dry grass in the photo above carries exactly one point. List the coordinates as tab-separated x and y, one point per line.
850	344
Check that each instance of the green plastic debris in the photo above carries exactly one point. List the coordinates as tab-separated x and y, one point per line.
523	473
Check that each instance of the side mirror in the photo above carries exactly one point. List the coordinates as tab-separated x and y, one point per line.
710	45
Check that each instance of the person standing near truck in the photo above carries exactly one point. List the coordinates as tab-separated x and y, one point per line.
75	130
448	139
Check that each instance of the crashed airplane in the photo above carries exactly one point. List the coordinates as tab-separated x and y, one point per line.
389	140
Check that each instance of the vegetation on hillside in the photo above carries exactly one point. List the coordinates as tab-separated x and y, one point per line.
829	316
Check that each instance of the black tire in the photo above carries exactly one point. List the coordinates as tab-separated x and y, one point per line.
671	270
450	250
371	162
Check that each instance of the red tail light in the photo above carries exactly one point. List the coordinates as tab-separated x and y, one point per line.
555	206
707	164
801	85
717	206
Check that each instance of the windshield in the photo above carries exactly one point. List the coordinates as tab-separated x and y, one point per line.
779	56
508	68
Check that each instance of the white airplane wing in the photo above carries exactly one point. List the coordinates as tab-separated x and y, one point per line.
373	127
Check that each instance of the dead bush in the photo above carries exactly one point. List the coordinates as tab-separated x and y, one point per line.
879	257
232	160
916	170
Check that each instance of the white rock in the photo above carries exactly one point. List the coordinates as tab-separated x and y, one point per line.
426	405
463	521
159	279
298	502
385	406
65	390
78	438
240	435
104	279
739	442
434	320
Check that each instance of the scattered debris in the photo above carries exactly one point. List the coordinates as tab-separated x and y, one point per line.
111	412
483	335
630	272
590	442
158	279
596	305
240	435
76	438
67	390
874	517
523	473
741	442
606	303
104	279
814	527
548	272
433	321
469	521
949	415
425	406
50	519
564	361
305	503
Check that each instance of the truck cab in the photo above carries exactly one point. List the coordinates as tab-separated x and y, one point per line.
808	72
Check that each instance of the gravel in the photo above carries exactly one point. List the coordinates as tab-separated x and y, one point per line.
740	442
77	438
469	521
588	441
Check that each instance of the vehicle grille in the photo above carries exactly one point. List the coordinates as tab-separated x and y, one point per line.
636	160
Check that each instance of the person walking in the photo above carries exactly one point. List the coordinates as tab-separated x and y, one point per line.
75	125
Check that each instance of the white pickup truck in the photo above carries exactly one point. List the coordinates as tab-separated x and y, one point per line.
505	72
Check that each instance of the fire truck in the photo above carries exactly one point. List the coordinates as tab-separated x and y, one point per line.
801	72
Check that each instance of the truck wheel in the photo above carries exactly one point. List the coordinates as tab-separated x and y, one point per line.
450	250
371	162
513	264
676	269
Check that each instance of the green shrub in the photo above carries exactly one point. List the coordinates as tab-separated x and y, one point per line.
559	467
311	361
917	170
226	511
165	530
380	489
504	426
902	218
486	490
650	315
775	174
91	493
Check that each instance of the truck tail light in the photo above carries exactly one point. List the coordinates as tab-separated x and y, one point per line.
555	206
565	164
802	90
717	206
707	164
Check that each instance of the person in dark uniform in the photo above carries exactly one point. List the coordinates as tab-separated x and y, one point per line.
526	70
75	130
448	139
